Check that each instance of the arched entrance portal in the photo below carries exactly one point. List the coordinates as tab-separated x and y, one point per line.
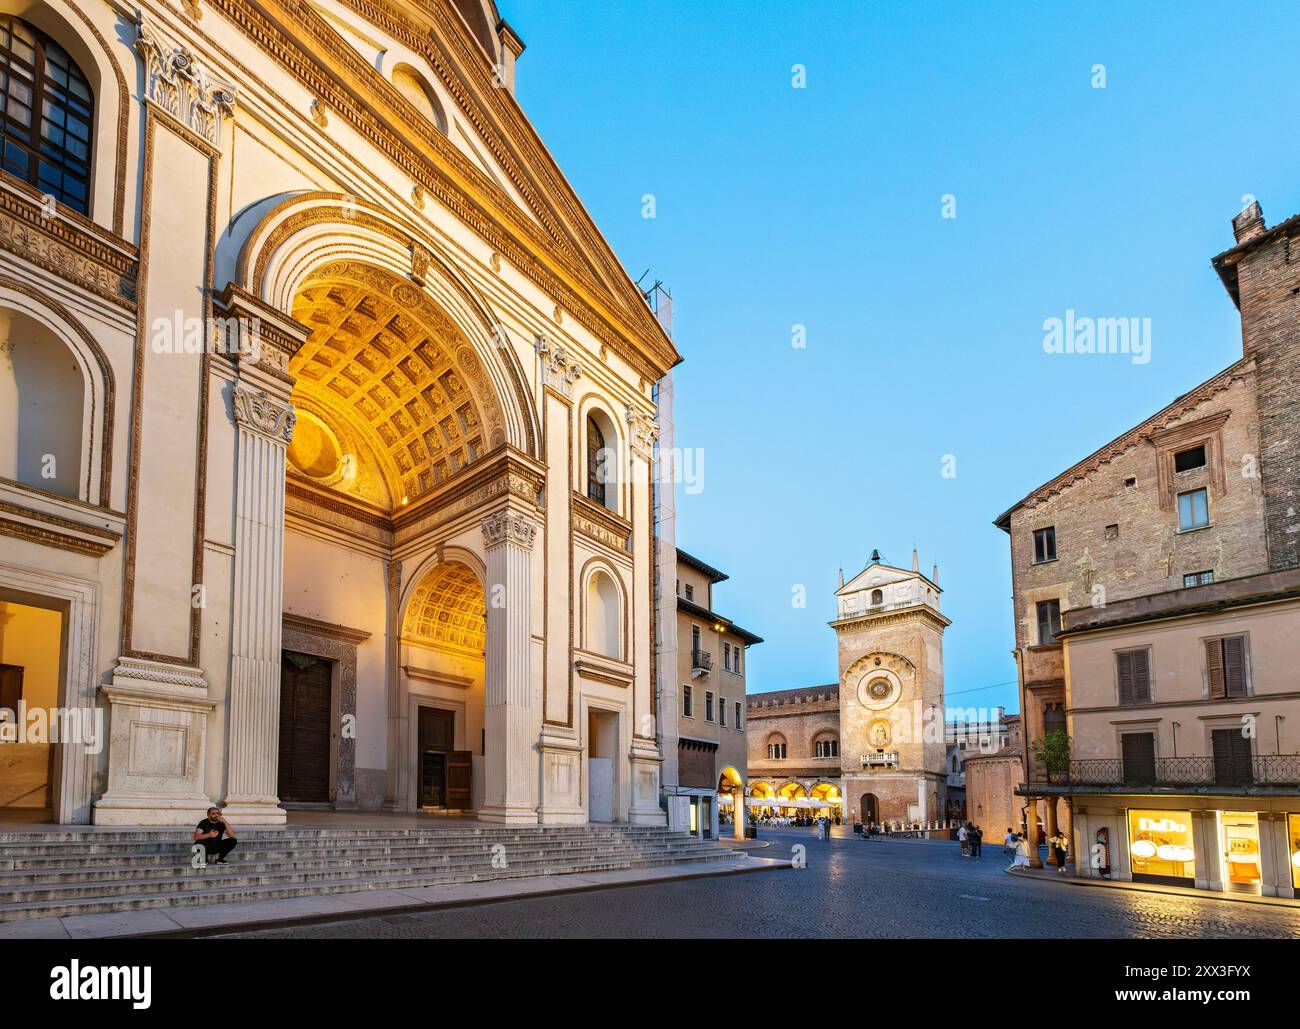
444	639
869	809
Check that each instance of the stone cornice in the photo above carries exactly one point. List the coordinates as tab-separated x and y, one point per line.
921	612
313	627
73	248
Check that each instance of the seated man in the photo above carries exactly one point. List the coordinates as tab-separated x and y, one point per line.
210	831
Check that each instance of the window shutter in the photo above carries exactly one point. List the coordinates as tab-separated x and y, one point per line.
1141	676
1124	662
1139	753
1234	666
1232	758
1214	668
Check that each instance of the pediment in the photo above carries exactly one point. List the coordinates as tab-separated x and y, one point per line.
499	173
873	577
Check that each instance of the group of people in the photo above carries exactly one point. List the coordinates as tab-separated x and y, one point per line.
971	839
1017	845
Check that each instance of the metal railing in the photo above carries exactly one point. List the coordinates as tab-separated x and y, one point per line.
701	660
1261	770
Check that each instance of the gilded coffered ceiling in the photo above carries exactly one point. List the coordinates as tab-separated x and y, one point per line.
447	609
394	380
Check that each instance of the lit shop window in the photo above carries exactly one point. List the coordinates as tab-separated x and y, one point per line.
1160	843
1240	831
1294	823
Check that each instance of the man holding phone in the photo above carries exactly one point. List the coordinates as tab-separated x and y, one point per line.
216	835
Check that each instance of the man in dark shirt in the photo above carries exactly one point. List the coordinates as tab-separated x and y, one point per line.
210	833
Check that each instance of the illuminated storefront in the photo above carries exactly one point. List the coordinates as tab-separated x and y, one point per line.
1160	846
1239	845
1293	826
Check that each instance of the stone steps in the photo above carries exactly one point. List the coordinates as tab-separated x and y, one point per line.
85	873
108	877
23	865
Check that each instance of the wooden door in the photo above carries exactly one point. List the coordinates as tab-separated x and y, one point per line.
444	781
460	779
304	728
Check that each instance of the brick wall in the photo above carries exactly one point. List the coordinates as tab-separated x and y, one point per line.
1268	279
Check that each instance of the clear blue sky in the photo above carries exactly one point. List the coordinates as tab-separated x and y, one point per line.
822	206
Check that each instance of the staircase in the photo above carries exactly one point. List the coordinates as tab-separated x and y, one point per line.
62	873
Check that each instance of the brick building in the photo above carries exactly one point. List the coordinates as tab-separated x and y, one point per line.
1150	582
872	746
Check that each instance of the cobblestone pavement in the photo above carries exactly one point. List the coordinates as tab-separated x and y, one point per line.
850	888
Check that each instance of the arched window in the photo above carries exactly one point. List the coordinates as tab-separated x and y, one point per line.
412	85
877	597
46	110
604	635
42	407
827	746
776	747
602	462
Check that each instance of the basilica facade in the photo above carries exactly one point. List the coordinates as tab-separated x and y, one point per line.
870	747
327	425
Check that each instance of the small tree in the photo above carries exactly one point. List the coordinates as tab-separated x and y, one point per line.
1052	751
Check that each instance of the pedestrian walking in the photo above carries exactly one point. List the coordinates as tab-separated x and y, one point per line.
1060	847
963	838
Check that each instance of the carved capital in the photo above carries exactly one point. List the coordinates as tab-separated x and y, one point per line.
643	432
508	527
257	411
559	368
178	83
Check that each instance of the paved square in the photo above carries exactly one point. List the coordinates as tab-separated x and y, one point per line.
850	888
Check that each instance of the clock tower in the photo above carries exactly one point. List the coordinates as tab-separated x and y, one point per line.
892	749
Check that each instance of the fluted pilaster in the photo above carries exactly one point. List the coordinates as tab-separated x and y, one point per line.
264	428
508	795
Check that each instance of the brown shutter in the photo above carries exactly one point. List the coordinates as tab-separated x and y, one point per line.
1139	756
1141	677
1234	666
1124	662
1232	758
1214	668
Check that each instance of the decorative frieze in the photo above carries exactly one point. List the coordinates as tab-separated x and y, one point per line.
182	86
60	245
257	411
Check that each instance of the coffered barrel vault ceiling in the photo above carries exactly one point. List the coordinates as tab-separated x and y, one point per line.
387	366
447	609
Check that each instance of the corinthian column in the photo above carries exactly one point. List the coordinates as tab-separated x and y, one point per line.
264	427
508	718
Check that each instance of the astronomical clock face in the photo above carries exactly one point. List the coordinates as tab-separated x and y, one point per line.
877	680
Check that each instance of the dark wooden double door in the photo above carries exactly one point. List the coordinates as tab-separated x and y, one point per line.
305	728
445	774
